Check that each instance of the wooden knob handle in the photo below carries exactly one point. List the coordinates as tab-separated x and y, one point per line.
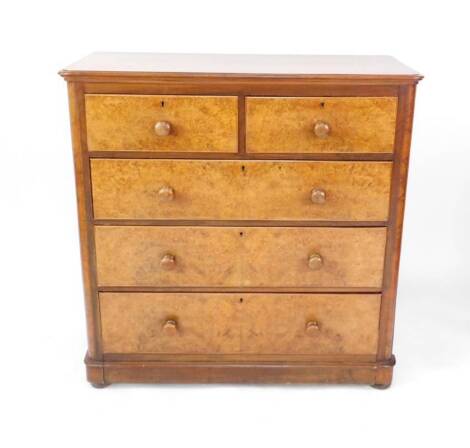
162	128
315	262
318	196
170	327
166	193
168	262
312	327
321	129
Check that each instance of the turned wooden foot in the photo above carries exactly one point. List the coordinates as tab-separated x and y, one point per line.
380	386
99	385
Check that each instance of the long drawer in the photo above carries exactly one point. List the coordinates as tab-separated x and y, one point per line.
162	123
250	190
193	323
240	256
322	125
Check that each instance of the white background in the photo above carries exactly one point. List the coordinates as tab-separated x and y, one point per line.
45	399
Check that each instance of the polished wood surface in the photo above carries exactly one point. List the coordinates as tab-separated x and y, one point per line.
321	129
300	240
86	232
161	123
137	64
320	124
239	256
246	371
397	208
227	323
163	128
256	190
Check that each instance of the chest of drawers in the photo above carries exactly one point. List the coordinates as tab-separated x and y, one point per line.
240	216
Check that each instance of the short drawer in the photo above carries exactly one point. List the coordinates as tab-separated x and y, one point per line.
193	323
240	256
233	190
321	125
162	123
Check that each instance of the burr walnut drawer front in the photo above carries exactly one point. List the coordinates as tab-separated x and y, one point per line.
195	323
239	256
321	125
250	190
162	123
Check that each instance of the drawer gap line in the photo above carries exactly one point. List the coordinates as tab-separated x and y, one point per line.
241	290
236	223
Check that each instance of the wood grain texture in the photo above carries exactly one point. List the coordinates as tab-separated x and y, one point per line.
86	234
239	256
397	210
126	122
251	372
226	323
363	125
251	247
224	85
243	190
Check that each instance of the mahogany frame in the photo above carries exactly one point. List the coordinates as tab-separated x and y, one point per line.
103	370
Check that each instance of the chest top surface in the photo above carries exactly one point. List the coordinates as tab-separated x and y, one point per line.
315	66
